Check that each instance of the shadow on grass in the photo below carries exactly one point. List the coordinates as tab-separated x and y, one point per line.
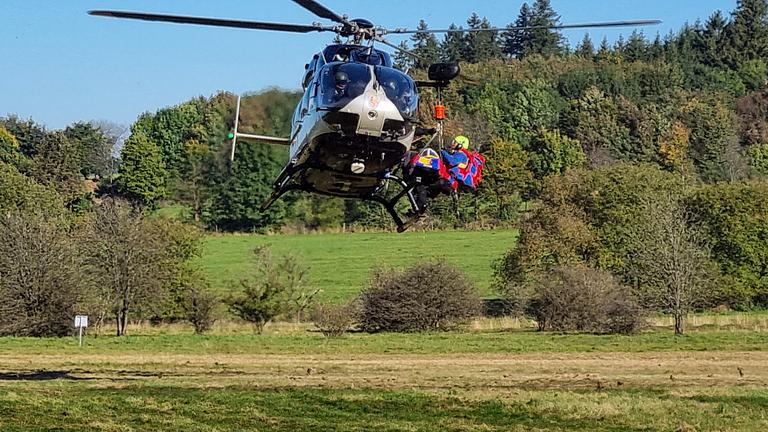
758	402
41	376
244	407
292	409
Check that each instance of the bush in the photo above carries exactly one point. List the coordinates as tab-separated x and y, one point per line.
427	296
335	320
199	305
41	280
583	299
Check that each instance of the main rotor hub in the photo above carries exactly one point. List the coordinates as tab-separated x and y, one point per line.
359	28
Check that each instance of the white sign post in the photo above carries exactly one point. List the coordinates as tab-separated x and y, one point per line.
81	321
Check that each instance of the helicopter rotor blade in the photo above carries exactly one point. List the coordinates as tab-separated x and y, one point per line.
634	23
381	40
217	22
321	11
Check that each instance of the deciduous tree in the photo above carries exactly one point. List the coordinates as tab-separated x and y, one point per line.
133	260
278	286
142	171
56	165
669	259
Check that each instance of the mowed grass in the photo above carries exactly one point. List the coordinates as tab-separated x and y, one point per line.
155	407
293	379
305	340
341	264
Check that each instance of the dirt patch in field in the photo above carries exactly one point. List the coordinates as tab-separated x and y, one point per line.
423	372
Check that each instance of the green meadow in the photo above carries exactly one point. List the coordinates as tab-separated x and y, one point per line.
340	264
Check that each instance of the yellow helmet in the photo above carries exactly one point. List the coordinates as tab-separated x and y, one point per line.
462	141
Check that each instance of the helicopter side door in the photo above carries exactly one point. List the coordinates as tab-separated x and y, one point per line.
308	85
306	104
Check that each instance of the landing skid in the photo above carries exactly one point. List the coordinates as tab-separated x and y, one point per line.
415	213
284	185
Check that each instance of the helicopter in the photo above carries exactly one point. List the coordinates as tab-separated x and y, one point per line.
355	126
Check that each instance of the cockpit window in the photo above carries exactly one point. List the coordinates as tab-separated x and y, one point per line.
400	89
342	82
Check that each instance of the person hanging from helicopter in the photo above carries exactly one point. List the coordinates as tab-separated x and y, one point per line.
465	167
444	172
427	171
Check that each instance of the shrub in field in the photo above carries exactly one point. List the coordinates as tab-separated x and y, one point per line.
583	299
427	296
277	287
199	305
335	320
40	277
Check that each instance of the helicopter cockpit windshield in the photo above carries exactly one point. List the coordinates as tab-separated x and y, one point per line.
400	89
342	82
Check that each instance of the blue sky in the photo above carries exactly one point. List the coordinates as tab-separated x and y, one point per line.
59	65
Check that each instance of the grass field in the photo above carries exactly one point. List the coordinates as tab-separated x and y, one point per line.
340	264
293	379
496	375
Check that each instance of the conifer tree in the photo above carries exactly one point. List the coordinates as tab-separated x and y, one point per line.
686	53
656	49
515	41
604	52
636	47
402	60
425	45
454	44
619	46
586	48
482	45
711	40
747	34
546	42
